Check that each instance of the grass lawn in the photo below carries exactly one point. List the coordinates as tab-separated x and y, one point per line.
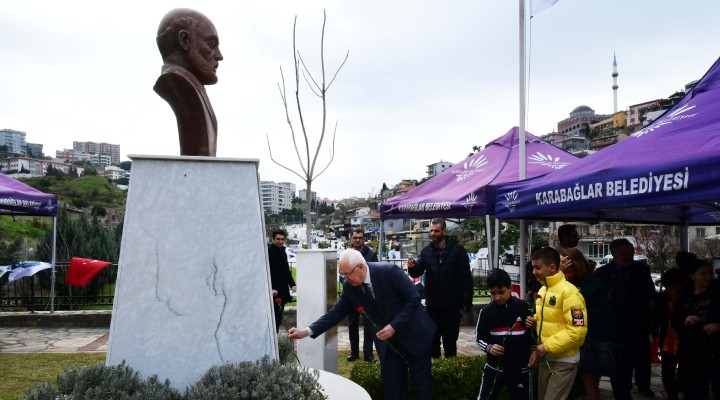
21	371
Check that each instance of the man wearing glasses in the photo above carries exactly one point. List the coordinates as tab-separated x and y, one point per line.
392	303
358	243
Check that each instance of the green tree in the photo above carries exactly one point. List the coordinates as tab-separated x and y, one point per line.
82	237
126	165
10	252
89	170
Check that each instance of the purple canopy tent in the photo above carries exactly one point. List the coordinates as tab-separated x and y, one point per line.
17	198
665	173
468	188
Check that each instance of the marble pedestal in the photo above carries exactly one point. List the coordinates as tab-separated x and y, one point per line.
193	286
317	279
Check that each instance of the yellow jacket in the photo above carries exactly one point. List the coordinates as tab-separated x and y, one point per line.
561	317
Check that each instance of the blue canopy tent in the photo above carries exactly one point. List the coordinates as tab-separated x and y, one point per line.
17	198
666	173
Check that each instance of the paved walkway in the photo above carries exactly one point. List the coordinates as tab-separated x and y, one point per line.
71	339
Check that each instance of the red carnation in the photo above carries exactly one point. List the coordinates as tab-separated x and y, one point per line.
360	310
537	295
278	299
569	276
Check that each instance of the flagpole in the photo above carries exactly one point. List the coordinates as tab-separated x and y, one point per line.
521	139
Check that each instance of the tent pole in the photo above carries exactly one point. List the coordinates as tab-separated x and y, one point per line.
488	235
52	283
685	236
497	242
521	137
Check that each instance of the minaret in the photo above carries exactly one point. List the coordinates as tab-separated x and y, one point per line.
615	85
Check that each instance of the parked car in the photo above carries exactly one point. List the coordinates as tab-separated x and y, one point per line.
609	258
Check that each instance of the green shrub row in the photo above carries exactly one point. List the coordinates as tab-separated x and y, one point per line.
456	378
258	380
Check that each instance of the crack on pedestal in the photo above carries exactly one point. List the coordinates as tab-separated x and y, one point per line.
157	283
217	328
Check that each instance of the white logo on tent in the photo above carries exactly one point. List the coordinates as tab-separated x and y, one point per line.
511	200
470	201
547	161
470	168
676	115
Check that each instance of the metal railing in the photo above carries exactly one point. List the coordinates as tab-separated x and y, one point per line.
33	293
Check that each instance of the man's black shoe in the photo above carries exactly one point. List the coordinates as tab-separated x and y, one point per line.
646	392
370	358
353	357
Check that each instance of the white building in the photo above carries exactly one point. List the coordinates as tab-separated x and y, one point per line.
14	140
114	173
34	167
438	167
276	196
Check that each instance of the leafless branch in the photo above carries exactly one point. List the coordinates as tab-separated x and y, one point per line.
283	95
332	153
338	70
273	160
307	169
305	71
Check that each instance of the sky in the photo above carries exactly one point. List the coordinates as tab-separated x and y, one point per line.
424	81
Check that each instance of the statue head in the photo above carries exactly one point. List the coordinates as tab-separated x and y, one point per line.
188	38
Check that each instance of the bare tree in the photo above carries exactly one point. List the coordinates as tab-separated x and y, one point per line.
319	87
659	244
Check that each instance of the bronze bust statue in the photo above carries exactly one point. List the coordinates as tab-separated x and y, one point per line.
189	46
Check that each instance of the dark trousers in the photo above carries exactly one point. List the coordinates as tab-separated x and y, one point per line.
278	308
668	366
702	373
447	321
353	332
635	351
394	373
519	384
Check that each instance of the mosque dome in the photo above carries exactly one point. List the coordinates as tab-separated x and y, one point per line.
582	110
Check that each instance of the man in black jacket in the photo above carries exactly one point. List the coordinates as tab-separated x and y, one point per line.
358	243
631	291
281	278
448	285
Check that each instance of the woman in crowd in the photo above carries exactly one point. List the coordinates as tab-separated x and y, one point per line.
696	318
579	272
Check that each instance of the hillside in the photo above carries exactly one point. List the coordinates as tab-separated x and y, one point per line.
86	191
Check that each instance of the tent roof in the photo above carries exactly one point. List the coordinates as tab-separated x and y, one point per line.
18	198
665	173
464	190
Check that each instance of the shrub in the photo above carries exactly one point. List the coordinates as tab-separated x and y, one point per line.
286	350
323	245
456	378
118	382
258	380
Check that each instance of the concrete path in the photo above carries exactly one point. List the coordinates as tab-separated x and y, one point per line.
61	339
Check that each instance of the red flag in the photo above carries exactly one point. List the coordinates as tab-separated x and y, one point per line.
81	270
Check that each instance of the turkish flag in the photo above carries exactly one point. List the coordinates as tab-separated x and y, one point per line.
81	270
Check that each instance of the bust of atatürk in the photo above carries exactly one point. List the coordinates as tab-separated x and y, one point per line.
189	46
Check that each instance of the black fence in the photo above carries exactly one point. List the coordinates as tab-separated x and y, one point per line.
33	293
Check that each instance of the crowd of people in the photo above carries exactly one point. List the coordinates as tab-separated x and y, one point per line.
582	320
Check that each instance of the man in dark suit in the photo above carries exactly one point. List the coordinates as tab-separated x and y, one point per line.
358	243
281	278
404	330
631	291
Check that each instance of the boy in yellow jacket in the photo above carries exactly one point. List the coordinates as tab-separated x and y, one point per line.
561	324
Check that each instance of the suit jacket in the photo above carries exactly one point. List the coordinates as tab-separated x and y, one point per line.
631	294
280	275
398	305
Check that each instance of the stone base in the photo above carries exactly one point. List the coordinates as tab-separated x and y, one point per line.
193	286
